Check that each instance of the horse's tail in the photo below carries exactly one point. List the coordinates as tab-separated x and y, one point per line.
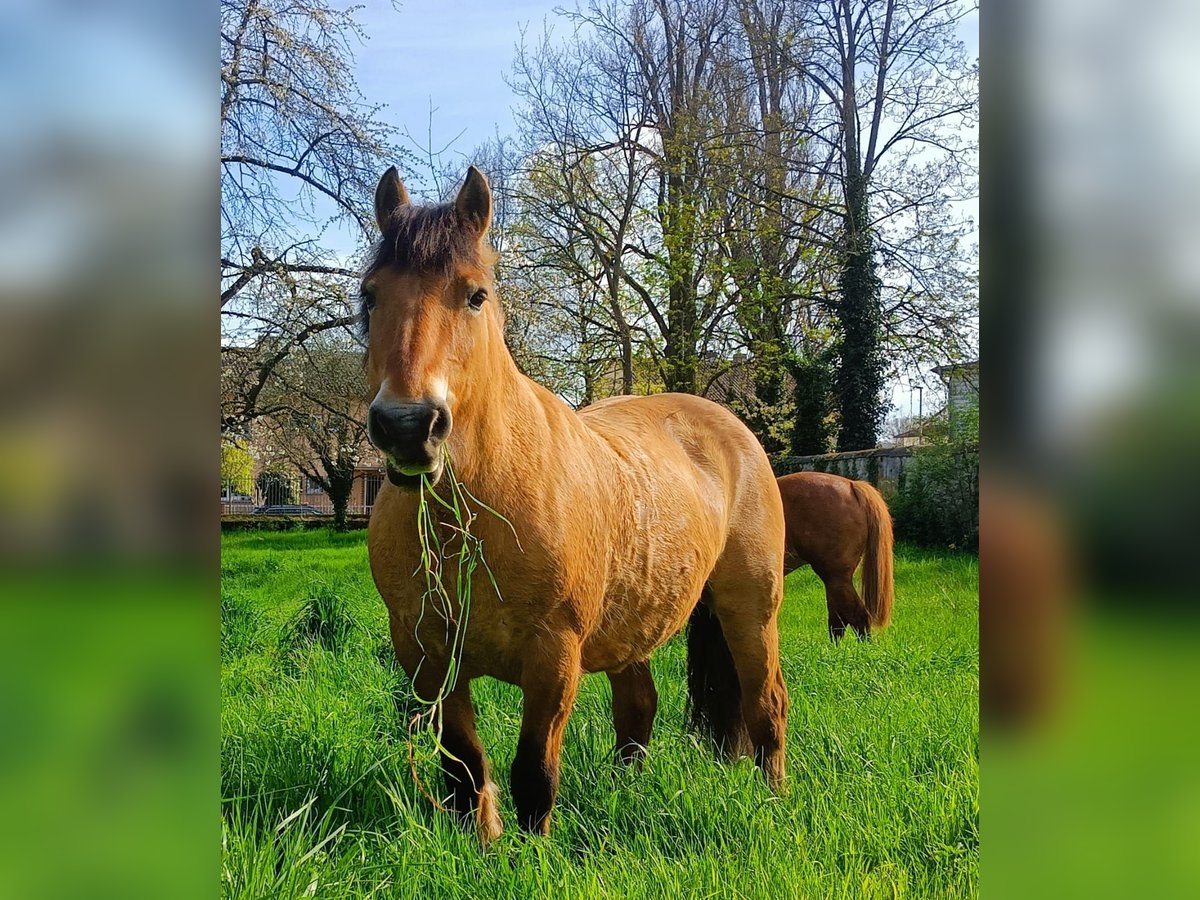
714	695
877	590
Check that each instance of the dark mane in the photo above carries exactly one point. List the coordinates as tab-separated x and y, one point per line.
429	239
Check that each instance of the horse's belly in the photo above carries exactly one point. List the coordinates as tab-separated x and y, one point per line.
655	583
638	619
612	650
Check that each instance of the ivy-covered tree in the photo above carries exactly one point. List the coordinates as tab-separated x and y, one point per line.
894	98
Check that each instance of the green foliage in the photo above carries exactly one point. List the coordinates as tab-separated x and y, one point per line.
770	422
812	395
937	501
237	467
318	800
873	470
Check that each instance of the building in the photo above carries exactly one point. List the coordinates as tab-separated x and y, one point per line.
962	395
910	437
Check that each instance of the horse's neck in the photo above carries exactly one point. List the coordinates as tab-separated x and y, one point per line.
516	439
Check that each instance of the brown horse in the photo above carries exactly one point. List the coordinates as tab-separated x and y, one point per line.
627	518
833	524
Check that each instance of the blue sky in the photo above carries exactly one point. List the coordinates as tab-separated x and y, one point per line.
454	56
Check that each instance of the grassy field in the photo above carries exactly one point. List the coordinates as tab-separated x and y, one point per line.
318	800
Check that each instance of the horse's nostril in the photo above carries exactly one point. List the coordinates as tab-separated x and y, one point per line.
409	429
379	426
439	427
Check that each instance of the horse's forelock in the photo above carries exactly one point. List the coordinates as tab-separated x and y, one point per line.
428	239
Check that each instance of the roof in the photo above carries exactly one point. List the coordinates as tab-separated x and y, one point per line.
952	368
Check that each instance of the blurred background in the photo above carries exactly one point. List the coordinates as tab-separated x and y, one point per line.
109	224
109	541
1091	314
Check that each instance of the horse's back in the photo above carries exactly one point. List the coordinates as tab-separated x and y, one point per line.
826	525
699	426
723	457
676	427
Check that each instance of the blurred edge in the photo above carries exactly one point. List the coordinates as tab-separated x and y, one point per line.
108	451
1089	485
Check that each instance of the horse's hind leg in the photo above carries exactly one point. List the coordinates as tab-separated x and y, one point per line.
846	607
465	767
747	613
635	702
837	624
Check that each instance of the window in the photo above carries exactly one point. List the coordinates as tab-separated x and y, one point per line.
312	486
371	486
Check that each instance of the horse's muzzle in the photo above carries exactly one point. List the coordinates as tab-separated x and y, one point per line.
411	437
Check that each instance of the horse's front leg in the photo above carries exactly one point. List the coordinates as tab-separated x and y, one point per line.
465	770
549	682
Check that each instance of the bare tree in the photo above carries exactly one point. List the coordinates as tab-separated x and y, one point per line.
317	420
623	114
588	180
300	154
773	230
895	93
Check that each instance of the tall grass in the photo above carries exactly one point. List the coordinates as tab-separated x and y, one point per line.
318	800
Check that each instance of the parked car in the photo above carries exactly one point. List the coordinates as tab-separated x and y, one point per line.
294	509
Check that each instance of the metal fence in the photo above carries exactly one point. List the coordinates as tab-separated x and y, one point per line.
273	492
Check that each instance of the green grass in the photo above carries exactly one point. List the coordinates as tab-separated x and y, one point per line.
318	799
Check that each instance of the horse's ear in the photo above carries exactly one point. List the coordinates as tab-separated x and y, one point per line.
474	202
390	195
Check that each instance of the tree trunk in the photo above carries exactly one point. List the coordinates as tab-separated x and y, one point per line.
680	349
682	328
341	484
626	362
623	330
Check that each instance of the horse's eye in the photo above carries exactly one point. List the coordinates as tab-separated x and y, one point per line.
368	299
475	301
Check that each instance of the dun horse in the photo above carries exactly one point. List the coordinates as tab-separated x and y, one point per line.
833	524
627	519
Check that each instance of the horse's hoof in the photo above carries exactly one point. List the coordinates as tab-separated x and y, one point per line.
487	816
779	786
632	754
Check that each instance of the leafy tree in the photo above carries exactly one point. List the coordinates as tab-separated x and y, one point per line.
937	502
277	487
813	378
237	467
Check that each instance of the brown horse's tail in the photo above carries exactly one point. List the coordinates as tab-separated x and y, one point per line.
714	695
877	590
